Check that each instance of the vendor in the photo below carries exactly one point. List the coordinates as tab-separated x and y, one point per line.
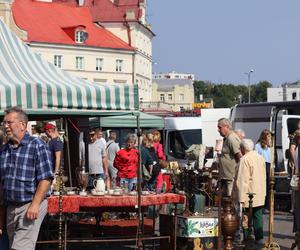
55	146
98	164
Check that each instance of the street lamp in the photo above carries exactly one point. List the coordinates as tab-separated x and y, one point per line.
249	89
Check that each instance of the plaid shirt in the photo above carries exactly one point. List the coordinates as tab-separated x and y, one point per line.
22	168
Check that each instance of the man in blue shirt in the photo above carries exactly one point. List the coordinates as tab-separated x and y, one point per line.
25	175
55	146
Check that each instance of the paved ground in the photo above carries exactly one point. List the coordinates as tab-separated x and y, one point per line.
283	229
283	235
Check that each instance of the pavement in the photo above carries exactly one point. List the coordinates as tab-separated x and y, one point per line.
283	229
283	235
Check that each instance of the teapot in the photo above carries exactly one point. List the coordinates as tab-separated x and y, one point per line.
99	185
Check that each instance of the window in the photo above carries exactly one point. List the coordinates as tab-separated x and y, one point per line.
99	64
80	36
294	95
58	61
170	97
119	65
162	97
181	97
79	62
179	141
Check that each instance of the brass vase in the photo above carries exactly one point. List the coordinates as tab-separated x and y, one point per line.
229	223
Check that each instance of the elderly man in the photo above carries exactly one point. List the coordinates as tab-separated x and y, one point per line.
25	175
251	178
230	155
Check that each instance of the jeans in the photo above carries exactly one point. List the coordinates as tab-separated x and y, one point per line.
128	181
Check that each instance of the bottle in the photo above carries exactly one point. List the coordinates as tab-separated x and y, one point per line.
133	187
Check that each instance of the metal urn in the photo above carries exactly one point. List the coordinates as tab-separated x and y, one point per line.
83	179
229	223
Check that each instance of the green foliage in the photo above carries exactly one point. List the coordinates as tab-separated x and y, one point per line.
227	95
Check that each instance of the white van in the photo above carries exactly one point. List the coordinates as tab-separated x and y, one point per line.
282	119
179	134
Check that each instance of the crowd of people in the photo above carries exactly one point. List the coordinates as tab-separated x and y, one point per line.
243	170
29	165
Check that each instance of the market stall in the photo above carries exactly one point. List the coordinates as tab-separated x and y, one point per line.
48	93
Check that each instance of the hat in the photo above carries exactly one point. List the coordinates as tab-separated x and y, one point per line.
49	126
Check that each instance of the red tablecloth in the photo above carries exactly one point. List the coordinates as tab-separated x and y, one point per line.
72	203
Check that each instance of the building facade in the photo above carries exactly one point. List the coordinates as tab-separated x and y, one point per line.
287	92
171	91
98	40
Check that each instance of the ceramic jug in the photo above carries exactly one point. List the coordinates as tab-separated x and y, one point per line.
99	185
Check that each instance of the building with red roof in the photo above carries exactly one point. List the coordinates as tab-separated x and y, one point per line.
105	41
127	20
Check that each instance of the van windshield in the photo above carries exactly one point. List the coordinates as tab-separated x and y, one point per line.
179	141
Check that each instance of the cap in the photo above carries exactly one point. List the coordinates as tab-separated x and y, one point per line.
49	126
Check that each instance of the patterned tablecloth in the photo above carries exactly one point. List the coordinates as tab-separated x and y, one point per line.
73	203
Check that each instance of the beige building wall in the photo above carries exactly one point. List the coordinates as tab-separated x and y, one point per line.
89	72
141	40
177	96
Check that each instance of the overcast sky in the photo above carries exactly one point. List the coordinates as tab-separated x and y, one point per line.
220	40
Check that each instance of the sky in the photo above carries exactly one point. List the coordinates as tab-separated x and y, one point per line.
221	40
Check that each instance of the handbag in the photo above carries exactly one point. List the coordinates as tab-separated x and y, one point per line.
146	174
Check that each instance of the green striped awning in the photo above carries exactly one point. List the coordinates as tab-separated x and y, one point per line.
32	83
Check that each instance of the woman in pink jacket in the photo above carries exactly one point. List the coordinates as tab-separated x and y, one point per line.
161	156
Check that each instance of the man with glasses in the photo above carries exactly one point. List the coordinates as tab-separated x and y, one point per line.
230	155
25	175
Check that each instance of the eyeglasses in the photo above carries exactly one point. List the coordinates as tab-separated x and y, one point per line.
4	123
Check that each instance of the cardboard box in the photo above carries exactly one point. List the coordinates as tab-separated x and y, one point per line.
197	226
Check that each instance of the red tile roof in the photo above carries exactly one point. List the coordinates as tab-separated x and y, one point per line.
106	11
51	23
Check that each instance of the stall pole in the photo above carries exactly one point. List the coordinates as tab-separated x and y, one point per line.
270	243
68	152
139	181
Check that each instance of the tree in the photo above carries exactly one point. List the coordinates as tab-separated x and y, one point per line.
227	95
259	91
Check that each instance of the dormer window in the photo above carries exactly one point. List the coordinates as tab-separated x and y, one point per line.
81	36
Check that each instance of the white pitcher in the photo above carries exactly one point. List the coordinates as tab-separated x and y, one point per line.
99	185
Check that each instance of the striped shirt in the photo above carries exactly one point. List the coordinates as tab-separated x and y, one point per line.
22	167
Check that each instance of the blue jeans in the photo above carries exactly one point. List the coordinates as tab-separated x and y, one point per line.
4	242
129	182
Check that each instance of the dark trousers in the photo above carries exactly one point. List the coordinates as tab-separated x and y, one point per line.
257	222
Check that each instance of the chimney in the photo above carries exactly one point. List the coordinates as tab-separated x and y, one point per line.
80	3
130	15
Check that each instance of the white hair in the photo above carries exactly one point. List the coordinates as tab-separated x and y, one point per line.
247	144
240	132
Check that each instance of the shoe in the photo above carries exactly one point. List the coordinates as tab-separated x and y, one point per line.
260	242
